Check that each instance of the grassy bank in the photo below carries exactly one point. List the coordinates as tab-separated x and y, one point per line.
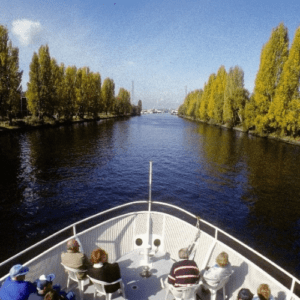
273	136
29	123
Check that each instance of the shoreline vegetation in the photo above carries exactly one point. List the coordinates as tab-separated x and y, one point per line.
272	110
56	94
30	123
272	136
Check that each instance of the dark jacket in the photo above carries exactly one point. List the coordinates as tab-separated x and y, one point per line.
108	273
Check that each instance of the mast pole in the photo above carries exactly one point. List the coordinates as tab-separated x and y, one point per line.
146	272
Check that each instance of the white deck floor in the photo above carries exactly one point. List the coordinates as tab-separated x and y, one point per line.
137	287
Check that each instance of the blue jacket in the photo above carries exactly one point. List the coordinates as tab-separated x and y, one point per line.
16	290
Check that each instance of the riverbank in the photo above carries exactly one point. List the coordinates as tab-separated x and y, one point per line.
30	123
272	136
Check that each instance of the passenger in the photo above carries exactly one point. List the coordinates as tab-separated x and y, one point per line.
183	272
244	294
212	276
15	287
52	295
104	271
75	259
263	293
43	285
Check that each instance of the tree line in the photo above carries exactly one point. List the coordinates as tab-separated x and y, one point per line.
54	89
274	105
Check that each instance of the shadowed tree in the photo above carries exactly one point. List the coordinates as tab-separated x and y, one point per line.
10	76
235	97
34	86
108	94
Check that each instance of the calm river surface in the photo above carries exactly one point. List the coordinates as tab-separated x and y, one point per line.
248	186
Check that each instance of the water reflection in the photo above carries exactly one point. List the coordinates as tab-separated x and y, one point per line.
248	186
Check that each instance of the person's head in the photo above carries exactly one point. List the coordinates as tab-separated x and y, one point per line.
52	295
222	259
73	246
183	253
244	294
263	291
44	283
18	272
99	255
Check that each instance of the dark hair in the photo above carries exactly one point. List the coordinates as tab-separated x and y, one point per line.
52	295
245	294
96	255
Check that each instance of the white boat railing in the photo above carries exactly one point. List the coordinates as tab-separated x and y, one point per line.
283	277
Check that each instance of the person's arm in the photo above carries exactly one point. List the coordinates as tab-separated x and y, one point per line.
171	276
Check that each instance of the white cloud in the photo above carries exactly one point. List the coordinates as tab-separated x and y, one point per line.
28	32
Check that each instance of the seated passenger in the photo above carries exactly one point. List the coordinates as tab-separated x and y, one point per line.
43	286
244	294
213	275
263	293
52	295
15	287
183	272
75	259
104	271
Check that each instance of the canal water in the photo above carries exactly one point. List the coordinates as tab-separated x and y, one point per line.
248	186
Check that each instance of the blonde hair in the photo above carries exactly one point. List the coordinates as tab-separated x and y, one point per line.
222	259
263	291
183	253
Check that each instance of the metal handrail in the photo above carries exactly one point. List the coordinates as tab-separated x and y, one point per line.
73	226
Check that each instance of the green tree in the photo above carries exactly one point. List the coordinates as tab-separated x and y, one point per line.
69	92
203	110
34	86
57	75
108	94
123	105
47	100
273	56
235	97
284	111
218	94
10	76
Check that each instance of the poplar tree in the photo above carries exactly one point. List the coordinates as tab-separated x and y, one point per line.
203	110
34	86
220	85
10	76
78	107
47	102
235	97
273	56
57	75
108	94
96	95
285	109
69	92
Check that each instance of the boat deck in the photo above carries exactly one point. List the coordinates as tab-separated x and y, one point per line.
136	286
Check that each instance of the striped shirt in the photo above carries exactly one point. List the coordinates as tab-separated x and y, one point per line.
184	273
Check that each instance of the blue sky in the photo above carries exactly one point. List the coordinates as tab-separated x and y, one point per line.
165	47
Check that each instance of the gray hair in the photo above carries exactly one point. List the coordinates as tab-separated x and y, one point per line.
183	253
